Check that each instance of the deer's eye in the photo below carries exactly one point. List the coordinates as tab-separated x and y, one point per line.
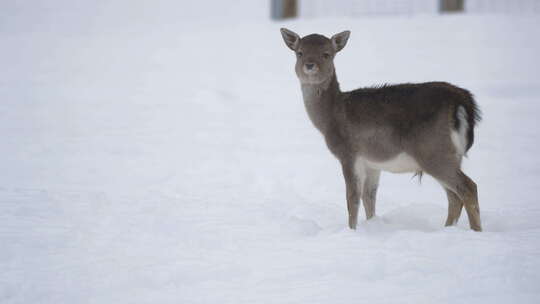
299	54
326	55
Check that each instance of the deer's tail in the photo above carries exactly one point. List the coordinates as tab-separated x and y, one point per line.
466	116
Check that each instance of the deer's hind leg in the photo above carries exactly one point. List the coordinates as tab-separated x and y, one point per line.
455	205
468	192
464	190
459	188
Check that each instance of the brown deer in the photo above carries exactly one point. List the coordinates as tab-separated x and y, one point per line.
419	128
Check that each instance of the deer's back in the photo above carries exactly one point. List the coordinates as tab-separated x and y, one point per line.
380	123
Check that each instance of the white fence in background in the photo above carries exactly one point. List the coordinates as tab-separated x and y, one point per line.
355	8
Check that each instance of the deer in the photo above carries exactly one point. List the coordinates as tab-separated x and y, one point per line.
403	128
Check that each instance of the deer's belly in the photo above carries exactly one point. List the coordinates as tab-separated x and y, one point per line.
402	163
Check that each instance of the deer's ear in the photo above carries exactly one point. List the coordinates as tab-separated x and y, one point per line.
340	40
292	40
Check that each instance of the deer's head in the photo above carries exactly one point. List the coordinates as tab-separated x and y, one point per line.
314	54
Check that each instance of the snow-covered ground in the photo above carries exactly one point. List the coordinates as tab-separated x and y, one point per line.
163	160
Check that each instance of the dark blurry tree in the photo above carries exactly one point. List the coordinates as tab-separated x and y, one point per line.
282	9
451	6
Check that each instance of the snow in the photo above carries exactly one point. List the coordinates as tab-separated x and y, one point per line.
150	160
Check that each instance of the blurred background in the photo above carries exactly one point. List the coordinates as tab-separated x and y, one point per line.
362	8
159	151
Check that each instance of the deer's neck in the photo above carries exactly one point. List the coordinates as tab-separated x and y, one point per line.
321	102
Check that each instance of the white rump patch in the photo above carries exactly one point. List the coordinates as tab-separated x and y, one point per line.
402	163
459	137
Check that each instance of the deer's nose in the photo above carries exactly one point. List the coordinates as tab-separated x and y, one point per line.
310	66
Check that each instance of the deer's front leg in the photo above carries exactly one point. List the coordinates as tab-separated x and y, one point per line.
369	191
353	183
